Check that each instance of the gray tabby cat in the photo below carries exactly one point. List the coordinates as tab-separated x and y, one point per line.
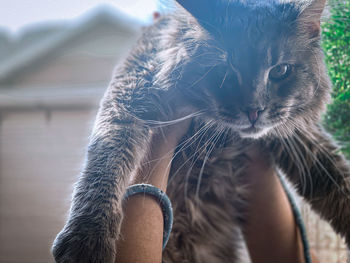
250	73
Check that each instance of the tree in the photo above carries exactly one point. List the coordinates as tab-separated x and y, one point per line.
336	45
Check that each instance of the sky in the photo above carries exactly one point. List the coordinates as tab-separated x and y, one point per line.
14	14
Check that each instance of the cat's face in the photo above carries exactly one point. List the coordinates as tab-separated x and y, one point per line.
259	67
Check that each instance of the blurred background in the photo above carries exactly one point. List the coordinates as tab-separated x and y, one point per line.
56	59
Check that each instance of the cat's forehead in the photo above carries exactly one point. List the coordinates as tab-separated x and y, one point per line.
256	4
239	23
265	17
255	30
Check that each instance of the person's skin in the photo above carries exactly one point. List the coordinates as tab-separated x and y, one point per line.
270	230
142	228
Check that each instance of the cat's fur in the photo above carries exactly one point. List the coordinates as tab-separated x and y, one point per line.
211	58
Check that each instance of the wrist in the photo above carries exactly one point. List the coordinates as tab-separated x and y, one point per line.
155	171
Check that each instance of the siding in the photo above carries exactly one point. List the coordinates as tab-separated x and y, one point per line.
40	157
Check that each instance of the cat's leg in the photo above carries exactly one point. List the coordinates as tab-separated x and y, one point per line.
320	174
96	212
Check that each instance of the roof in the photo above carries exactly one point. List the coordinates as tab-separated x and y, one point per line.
35	42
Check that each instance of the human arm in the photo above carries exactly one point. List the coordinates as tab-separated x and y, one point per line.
142	227
270	230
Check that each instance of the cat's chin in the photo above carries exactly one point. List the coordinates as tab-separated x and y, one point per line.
254	132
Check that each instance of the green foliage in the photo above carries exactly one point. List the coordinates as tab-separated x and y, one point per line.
336	45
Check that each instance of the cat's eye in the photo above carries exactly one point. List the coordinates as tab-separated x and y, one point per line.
280	72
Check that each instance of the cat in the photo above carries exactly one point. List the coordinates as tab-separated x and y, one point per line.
248	73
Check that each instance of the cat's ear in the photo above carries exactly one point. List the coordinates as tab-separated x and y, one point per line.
310	17
200	9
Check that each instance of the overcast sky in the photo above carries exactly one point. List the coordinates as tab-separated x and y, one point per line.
16	13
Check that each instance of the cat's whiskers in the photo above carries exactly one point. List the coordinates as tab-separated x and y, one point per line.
310	153
223	80
202	77
293	155
194	160
211	148
321	165
208	125
302	161
204	54
316	159
175	121
182	146
321	149
223	52
203	132
192	140
201	149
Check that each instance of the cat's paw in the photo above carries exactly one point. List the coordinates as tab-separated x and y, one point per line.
73	247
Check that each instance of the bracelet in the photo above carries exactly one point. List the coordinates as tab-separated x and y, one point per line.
163	200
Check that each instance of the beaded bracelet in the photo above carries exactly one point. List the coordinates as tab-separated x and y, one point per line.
163	200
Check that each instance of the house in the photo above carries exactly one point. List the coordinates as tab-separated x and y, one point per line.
52	77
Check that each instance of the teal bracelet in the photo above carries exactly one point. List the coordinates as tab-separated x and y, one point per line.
163	200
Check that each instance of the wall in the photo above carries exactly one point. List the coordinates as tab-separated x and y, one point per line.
40	157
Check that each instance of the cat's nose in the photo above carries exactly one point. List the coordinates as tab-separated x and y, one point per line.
253	114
